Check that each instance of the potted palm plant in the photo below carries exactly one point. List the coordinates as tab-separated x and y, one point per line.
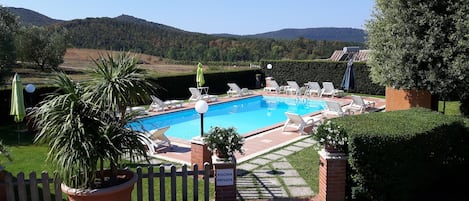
86	128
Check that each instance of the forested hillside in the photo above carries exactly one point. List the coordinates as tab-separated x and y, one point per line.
160	40
325	33
129	33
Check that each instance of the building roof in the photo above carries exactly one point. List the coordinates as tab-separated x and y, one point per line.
341	55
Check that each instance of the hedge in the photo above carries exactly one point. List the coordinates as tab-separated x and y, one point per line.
321	71
414	154
176	87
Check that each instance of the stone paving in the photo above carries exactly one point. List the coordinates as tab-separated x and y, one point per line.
262	177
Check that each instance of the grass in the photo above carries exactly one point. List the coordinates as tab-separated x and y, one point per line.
452	107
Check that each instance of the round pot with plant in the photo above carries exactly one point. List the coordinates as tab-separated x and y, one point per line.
224	142
85	125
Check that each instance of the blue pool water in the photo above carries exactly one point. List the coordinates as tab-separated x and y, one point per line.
245	114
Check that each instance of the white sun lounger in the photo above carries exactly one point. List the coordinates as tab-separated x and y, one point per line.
293	88
159	105
154	139
329	90
196	95
335	108
235	90
360	104
313	88
272	86
299	122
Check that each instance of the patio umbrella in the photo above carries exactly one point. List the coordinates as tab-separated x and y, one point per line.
348	81
17	101
200	76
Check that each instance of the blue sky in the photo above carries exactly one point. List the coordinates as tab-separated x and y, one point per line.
214	16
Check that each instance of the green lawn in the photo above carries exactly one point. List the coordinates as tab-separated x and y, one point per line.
452	107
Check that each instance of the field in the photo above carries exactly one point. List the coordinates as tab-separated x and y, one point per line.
78	61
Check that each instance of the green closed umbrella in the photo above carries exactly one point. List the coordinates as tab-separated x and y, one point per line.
200	76
17	101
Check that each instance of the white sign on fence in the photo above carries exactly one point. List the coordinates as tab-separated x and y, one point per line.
224	177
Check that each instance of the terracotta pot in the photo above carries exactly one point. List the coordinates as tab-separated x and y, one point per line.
331	149
220	154
121	192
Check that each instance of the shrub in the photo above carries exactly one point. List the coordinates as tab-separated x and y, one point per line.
331	135
224	140
407	155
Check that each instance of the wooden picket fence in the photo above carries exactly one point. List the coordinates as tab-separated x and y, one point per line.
17	189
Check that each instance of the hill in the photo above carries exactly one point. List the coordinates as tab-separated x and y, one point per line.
129	33
325	33
31	17
322	33
329	34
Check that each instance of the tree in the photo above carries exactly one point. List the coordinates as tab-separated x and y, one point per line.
420	45
8	29
45	47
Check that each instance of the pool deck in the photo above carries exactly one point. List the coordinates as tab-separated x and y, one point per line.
258	142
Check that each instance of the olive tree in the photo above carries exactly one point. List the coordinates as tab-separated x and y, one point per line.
8	29
420	45
43	46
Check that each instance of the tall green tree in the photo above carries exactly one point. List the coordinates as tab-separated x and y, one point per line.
8	29
420	45
44	46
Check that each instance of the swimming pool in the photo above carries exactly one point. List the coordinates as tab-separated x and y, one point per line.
246	115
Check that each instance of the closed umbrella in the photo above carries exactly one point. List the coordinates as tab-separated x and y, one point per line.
348	81
17	101
200	76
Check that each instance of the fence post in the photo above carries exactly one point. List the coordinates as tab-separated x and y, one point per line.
200	153
225	178
332	176
3	186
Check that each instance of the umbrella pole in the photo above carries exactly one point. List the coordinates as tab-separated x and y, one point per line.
18	131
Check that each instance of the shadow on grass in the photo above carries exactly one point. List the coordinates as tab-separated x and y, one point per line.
16	134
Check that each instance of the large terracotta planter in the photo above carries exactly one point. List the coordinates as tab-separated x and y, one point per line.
403	99
122	192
